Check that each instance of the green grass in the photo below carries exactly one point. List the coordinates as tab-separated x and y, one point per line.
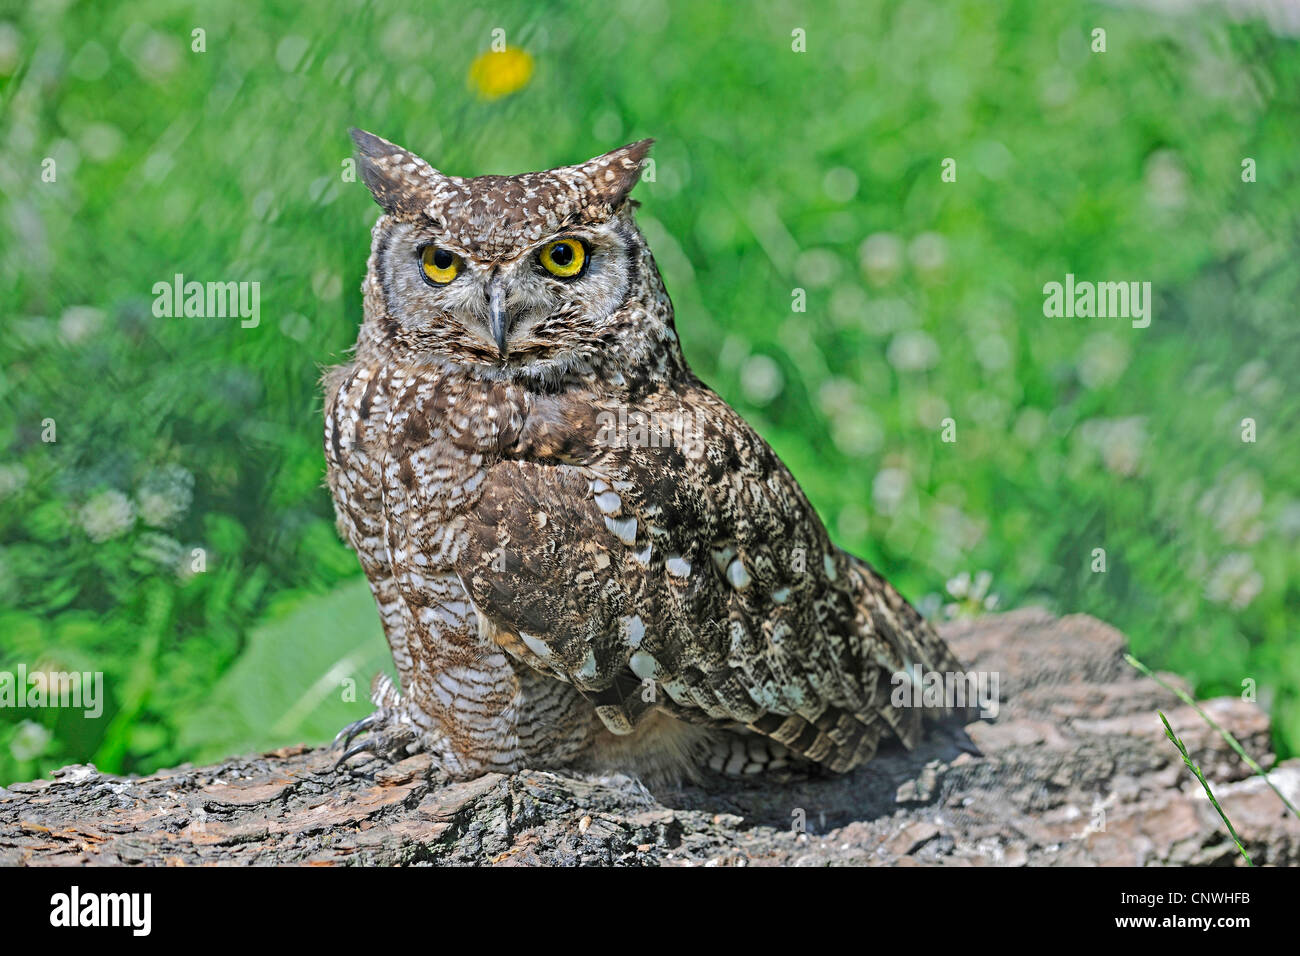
1232	741
1196	772
772	170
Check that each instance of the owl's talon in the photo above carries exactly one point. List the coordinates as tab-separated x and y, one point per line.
391	744
345	735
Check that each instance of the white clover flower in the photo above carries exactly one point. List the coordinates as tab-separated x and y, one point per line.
156	55
840	183
972	595
1234	581
912	351
1102	360
107	515
1250	375
928	252
931	410
1235	507
761	379
1120	441
161	549
856	433
953	531
959	586
881	257
13	479
1124	444
848	303
101	141
992	350
79	323
165	495
29	740
888	489
11	46
837	396
817	268
1031	425
1165	180
1288	521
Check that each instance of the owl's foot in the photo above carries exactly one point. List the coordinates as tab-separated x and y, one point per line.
386	733
379	738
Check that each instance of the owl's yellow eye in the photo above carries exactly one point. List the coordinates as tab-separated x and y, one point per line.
440	265
563	257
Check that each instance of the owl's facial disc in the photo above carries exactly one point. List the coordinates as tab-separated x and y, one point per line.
559	294
535	310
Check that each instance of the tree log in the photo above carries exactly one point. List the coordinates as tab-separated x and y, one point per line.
1075	769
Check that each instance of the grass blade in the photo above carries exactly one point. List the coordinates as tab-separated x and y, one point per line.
1208	792
1232	741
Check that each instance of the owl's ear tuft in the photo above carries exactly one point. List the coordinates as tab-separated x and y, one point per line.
401	182
609	178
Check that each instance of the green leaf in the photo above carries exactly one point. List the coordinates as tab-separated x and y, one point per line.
288	685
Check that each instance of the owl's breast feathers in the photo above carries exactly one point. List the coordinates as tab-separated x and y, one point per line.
662	557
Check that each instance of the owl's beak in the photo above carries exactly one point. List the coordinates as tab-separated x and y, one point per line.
498	321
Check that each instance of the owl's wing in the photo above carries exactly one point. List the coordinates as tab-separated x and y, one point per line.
671	545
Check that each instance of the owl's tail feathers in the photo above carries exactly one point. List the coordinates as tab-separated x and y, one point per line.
835	738
916	679
920	679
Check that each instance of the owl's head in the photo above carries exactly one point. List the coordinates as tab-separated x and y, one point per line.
529	277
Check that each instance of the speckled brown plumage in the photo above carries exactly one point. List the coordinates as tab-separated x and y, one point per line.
580	554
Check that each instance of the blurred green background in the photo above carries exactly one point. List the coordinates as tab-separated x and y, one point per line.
775	170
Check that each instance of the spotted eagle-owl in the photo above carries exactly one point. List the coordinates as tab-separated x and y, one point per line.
581	555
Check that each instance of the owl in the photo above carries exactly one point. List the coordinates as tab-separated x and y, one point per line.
582	556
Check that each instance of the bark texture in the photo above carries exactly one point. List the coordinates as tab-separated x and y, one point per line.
1074	770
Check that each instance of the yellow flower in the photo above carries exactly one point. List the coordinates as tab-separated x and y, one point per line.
499	73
